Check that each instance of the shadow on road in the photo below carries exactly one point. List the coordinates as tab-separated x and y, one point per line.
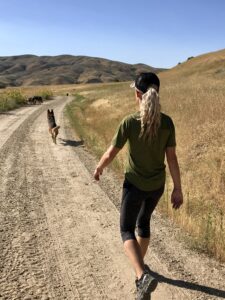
189	285
71	143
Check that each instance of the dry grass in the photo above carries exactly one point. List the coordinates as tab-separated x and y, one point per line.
97	111
11	98
197	109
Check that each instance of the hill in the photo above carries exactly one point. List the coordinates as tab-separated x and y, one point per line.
29	70
208	65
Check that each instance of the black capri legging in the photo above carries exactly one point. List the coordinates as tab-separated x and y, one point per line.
136	209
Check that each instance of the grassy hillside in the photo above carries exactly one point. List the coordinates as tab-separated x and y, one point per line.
27	70
210	65
195	101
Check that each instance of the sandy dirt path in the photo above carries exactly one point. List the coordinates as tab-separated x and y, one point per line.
59	230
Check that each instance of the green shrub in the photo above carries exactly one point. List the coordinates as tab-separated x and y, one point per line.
11	100
46	94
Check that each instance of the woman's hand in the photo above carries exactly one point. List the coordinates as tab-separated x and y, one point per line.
106	159
98	173
177	198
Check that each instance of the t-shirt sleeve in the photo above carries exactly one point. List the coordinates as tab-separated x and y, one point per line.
172	136
121	135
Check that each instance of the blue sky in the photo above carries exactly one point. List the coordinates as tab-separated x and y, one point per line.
160	33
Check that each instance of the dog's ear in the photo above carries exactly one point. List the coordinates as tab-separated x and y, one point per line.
48	111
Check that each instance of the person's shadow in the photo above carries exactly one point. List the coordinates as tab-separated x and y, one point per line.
71	143
189	285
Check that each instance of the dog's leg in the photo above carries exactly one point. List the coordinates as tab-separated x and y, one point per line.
55	132
51	131
54	137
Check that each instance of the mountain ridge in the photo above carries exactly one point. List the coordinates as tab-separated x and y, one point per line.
29	69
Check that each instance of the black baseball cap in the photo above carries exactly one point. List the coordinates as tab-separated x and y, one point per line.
144	80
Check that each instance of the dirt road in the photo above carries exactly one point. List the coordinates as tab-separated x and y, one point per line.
59	232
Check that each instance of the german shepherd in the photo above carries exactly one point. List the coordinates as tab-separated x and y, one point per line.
53	128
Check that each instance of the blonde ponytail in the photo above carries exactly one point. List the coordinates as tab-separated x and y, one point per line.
150	114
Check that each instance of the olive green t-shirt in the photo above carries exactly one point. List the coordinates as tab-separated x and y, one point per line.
145	167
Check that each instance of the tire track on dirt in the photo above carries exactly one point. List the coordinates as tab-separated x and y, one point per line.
44	255
59	231
26	268
75	223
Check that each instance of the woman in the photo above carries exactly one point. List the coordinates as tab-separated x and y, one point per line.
150	135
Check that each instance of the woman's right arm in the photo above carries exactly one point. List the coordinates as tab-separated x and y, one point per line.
118	142
106	159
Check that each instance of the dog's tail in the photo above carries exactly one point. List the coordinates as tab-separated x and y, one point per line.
55	132
55	129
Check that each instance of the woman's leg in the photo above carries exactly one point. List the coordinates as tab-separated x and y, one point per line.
143	221
133	251
130	207
143	243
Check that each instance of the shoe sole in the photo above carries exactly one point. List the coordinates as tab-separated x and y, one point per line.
150	288
154	282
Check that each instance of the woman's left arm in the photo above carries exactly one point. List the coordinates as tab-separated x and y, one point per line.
106	159
177	195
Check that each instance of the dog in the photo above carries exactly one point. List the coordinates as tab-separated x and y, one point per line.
35	100
53	128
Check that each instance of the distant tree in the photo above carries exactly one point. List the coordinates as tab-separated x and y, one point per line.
190	57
